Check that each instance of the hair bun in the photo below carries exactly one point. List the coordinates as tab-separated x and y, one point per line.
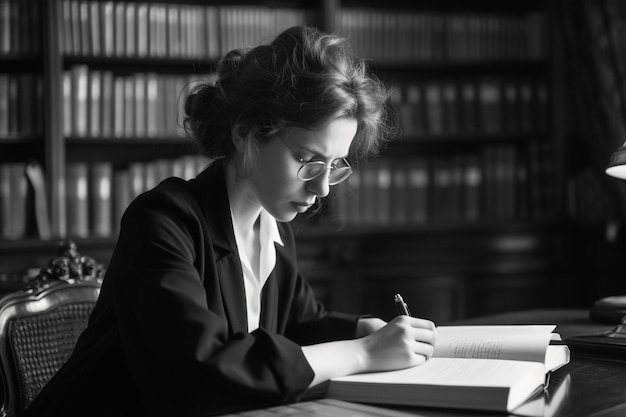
229	68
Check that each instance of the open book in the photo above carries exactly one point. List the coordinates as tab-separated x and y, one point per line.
474	367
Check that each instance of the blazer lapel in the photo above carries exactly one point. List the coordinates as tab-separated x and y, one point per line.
212	193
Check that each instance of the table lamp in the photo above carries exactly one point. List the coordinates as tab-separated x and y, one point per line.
611	343
617	164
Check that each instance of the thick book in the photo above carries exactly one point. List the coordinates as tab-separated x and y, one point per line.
495	368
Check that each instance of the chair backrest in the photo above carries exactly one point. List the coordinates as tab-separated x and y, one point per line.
40	325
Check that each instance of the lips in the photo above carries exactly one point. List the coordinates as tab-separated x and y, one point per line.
302	207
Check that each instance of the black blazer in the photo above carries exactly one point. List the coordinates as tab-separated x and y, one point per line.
168	335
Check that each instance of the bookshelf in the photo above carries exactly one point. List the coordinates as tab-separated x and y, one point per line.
471	206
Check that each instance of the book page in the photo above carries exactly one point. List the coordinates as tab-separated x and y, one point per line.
447	371
446	382
527	343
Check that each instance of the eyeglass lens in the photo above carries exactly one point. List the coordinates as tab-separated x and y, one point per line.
314	169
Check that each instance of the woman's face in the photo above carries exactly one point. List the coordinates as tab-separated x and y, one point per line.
275	180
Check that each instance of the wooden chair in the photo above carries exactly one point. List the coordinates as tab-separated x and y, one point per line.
40	324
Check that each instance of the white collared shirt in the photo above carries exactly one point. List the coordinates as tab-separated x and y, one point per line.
268	236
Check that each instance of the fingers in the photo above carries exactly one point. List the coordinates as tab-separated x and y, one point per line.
426	336
424	349
422	323
423	333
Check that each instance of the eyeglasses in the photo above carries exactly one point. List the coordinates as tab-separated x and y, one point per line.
340	170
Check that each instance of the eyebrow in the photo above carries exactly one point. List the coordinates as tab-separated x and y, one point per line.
318	153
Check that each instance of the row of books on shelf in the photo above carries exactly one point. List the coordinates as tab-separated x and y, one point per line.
482	106
21	110
102	104
158	30
20	26
97	194
417	36
501	183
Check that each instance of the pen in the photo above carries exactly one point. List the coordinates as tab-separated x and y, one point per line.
401	306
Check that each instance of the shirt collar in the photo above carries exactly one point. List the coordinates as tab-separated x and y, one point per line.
269	228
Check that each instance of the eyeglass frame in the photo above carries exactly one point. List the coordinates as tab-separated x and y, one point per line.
333	169
326	167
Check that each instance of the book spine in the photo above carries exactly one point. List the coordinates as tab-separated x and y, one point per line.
101	180
77	185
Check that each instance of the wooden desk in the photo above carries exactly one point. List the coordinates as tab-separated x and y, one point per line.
586	387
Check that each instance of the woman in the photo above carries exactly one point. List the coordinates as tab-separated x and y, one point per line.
202	309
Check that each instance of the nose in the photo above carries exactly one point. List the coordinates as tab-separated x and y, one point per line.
319	186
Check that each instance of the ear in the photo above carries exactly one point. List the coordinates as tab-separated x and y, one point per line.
239	141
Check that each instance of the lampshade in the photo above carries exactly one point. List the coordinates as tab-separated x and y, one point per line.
617	165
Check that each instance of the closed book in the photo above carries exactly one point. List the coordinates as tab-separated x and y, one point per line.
5	200
34	174
5	27
95	104
131	30
106	128
153	114
76	184
140	105
85	28
145	27
14	195
74	11
130	121
95	30
383	193
137	178
399	193
107	26
4	104
119	17
212	35
472	189
119	100
434	108
173	30
13	105
100	189
79	97
122	196
419	186
490	99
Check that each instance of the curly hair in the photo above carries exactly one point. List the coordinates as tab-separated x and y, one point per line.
301	79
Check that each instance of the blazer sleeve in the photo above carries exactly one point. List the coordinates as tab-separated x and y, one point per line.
178	342
309	322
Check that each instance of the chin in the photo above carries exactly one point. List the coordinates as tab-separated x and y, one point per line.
286	218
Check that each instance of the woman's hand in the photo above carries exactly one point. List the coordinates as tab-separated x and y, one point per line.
403	342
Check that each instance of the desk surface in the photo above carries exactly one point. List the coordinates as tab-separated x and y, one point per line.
586	387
